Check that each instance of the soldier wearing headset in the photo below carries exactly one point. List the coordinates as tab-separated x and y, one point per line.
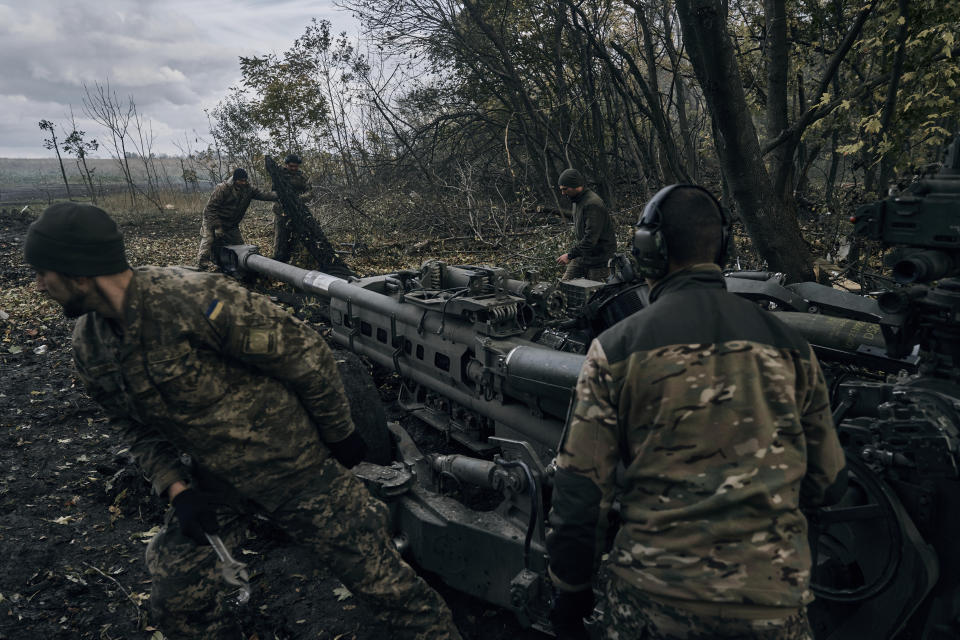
720	417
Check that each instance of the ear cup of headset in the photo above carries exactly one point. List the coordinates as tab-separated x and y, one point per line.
650	250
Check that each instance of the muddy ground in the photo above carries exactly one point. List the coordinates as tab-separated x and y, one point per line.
75	513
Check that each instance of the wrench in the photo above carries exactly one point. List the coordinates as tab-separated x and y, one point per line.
234	572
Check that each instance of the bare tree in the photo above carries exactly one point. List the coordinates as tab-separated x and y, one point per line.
51	143
104	107
142	144
76	145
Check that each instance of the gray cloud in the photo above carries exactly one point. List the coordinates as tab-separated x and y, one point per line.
175	57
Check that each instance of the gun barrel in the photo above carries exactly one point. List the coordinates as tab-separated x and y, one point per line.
924	266
244	257
832	332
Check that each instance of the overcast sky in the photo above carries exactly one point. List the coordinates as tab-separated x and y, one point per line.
175	57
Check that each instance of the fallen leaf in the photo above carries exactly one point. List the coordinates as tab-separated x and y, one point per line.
145	536
342	593
64	520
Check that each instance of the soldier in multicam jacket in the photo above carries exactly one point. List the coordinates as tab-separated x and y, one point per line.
191	367
596	241
282	227
220	221
720	416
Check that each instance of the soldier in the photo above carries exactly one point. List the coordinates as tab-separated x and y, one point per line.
720	415
232	407
596	241
282	227
221	217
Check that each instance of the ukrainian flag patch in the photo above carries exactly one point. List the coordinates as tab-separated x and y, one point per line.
214	309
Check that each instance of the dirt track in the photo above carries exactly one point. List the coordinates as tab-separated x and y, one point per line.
75	514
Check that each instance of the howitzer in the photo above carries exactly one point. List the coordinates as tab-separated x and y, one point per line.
886	557
491	362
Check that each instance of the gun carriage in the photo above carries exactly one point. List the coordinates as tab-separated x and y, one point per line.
491	363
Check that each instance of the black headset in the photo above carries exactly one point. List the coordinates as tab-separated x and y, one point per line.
649	244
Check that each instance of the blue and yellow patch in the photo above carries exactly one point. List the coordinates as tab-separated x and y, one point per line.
214	309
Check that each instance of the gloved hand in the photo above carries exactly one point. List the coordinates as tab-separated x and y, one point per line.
195	515
569	610
350	451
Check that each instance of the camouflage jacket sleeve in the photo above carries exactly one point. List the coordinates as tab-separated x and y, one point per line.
263	336
158	459
593	218
257	194
826	473
215	203
588	458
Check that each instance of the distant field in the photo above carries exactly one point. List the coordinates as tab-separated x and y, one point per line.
24	180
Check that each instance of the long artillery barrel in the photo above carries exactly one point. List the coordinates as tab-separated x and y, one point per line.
457	335
457	348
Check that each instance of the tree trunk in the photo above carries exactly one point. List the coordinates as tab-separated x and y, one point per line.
777	53
775	232
890	103
62	170
689	148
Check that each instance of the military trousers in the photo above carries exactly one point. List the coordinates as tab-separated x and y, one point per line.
347	530
631	614
576	269
282	235
215	232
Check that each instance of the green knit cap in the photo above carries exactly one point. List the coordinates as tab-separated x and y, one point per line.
75	239
571	178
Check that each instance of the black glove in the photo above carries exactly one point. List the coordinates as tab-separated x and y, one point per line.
195	515
349	451
569	610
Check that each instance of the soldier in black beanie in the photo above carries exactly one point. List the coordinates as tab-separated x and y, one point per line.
592	227
193	363
77	251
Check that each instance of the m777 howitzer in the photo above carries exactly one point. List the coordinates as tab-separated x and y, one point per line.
491	362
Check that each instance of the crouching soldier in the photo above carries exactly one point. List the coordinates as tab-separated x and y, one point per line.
193	365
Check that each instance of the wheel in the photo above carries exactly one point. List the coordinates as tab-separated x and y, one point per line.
366	409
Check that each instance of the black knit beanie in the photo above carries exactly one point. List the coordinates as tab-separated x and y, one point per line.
239	174
571	178
76	240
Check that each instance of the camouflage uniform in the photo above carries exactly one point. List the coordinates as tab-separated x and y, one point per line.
631	615
282	226
721	416
220	221
204	367
596	241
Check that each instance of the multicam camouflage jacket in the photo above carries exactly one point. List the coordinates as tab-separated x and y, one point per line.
720	415
206	368
596	241
229	202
